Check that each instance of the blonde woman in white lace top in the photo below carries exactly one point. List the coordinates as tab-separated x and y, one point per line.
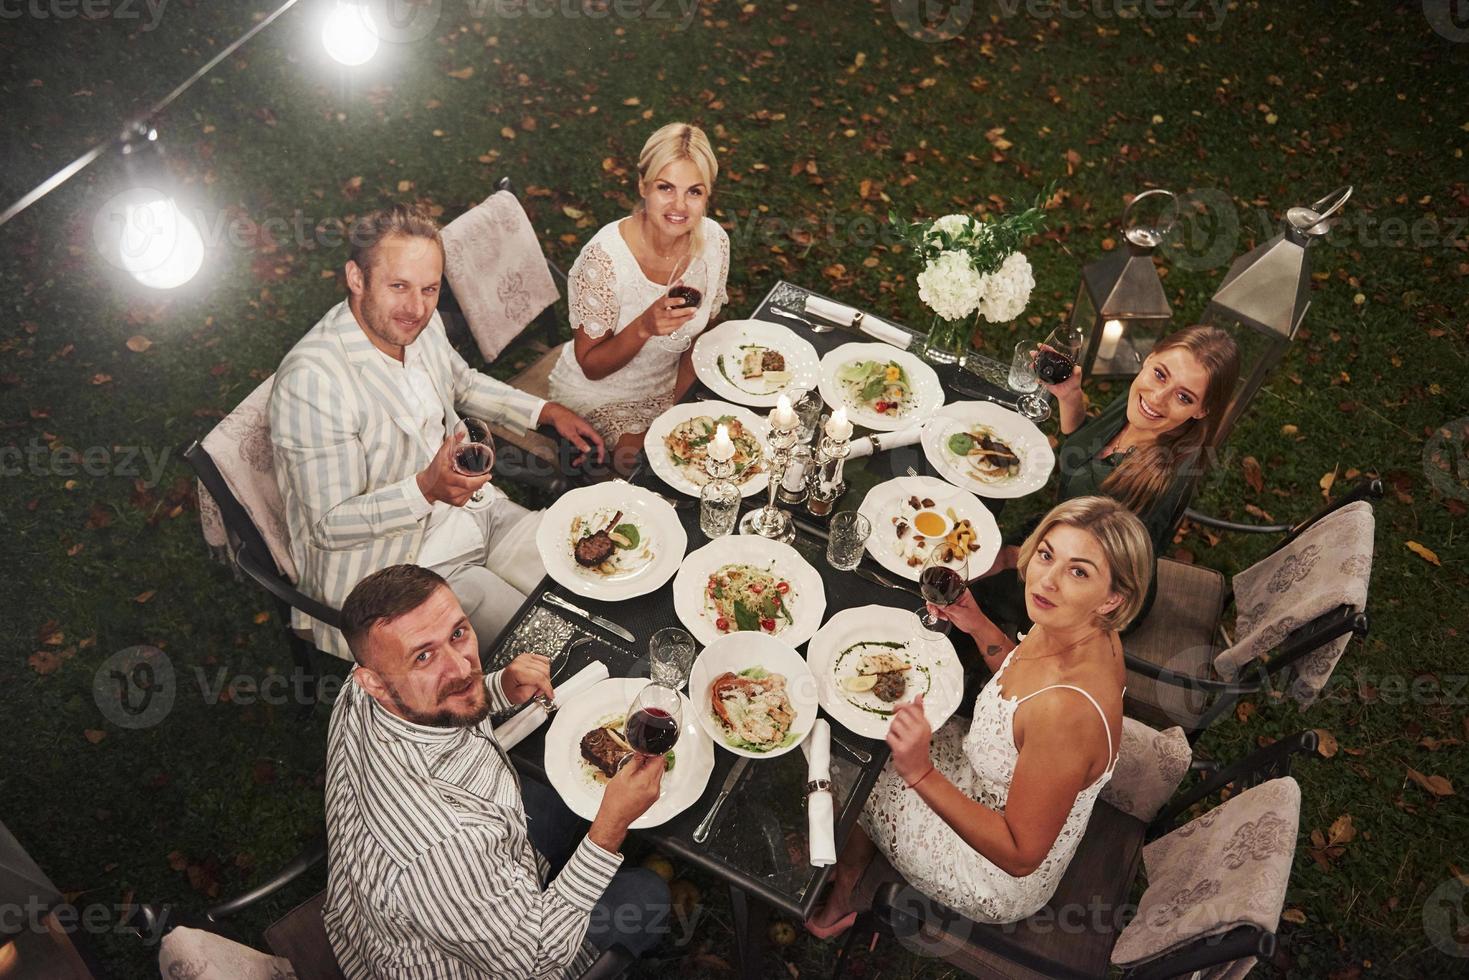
984	816
623	366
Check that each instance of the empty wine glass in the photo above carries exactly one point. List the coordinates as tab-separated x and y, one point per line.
943	580
474	452
1034	403
691	269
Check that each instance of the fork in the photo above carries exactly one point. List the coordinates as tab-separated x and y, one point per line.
814	327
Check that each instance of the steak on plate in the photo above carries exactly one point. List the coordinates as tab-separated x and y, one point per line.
605	749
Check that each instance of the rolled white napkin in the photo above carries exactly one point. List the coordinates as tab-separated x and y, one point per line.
886	332
838	313
513	732
820	808
887	440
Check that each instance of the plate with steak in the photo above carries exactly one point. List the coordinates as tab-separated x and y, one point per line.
611	541
751	362
585	744
753	694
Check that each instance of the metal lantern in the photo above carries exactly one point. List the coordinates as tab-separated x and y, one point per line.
1265	295
1120	306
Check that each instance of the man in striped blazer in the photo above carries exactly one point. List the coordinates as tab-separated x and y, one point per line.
442	864
362	417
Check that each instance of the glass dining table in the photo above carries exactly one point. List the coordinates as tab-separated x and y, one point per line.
758	841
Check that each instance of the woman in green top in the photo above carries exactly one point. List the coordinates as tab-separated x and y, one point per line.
1145	450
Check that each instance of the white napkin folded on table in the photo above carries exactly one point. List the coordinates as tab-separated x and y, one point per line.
886	332
844	315
888	440
838	313
513	732
820	808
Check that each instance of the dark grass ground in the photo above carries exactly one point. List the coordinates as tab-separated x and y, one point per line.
824	115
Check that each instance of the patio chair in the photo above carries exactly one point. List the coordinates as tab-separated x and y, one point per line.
1082	931
298	939
1183	666
498	283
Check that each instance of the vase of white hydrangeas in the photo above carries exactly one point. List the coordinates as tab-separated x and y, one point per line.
971	268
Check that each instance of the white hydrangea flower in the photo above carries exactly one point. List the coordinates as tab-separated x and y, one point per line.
951	286
1005	292
956	225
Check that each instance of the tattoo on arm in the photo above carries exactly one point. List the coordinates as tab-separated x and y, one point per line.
992	650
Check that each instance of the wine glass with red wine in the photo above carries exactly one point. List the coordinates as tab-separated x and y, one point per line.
654	719
687	296
474	453
1058	353
943	580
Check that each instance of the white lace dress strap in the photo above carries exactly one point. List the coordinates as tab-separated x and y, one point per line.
1105	725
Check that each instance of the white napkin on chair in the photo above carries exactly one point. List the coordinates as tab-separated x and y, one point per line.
887	440
513	732
820	808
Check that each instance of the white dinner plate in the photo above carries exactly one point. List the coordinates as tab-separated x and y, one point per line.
719	353
836	649
1024	438
805	602
741	652
927	393
634	571
575	779
689	478
892	499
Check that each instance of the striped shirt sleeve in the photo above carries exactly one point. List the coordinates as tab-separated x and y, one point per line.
470	899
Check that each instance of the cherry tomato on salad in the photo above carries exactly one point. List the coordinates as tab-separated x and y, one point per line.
722	624
768	625
782	587
756	588
775	600
881	406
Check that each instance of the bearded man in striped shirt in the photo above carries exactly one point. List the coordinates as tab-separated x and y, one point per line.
442	863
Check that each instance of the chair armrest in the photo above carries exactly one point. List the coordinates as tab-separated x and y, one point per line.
1206	951
1365	488
1220	524
277	585
614	962
314	854
1271	762
1316	634
1167	676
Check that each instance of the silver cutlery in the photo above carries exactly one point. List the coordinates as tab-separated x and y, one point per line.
812	326
701	832
863	757
595	620
877	579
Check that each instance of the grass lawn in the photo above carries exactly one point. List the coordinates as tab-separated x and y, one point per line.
825	115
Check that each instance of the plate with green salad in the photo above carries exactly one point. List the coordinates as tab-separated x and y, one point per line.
880	386
748	584
677	445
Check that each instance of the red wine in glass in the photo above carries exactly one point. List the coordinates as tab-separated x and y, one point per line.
1053	367
652	731
474	459
475	430
689	295
941	586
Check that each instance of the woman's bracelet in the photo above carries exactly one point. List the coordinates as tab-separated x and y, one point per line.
920	778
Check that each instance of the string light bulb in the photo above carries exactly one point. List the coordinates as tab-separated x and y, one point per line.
143	231
349	34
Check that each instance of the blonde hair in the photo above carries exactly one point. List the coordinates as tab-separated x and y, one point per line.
369	231
670	144
1125	544
1146	474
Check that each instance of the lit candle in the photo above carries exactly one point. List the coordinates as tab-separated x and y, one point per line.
1111	334
783	416
837	427
721	450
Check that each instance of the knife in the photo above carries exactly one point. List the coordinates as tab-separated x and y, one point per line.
877	579
701	832
595	620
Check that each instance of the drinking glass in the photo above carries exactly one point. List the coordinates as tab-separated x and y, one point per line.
808	404
943	580
1034	403
1058	353
474	454
671	654
654	719
849	532
681	339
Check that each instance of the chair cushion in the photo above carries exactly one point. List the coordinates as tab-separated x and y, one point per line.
498	273
1071	936
534	380
1328	566
300	936
1225	869
242	452
201	955
1178	633
1150	766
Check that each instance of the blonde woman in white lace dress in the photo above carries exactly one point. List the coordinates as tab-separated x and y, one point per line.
624	365
985	820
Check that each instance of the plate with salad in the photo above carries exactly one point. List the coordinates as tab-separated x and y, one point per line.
748	584
750	362
677	445
611	541
753	694
880	386
867	660
988	449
